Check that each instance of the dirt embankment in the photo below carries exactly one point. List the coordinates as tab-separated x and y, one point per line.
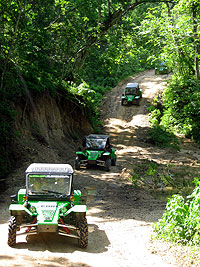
120	217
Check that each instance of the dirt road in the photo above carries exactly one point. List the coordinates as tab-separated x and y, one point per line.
120	217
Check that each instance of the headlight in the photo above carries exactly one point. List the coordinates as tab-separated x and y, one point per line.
63	209
33	209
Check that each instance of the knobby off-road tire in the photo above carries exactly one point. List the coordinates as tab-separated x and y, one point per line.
125	102
12	228
107	165
77	165
113	161
83	234
137	102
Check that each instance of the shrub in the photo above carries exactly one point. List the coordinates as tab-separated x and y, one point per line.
182	107
163	138
181	221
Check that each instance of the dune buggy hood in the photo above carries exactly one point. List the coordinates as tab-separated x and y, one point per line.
48	212
130	97
93	155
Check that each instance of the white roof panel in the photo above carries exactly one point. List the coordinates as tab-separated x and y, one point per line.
49	168
132	85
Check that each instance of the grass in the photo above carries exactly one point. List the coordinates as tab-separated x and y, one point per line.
168	178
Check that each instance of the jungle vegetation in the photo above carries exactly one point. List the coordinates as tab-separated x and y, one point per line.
80	49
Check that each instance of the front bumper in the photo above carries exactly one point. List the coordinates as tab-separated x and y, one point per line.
61	229
92	162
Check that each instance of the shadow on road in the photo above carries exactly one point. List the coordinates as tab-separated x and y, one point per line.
60	244
35	261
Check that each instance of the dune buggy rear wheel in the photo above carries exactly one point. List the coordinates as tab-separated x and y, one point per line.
83	234
12	228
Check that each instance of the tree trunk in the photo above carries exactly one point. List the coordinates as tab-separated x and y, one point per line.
196	41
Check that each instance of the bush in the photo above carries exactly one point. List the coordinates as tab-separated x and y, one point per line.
155	117
89	97
181	221
163	138
182	107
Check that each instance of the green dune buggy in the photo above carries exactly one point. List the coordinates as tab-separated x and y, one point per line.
97	150
131	95
162	68
48	204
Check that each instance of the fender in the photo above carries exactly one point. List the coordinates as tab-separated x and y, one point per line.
113	153
106	153
80	153
77	194
77	208
18	208
20	195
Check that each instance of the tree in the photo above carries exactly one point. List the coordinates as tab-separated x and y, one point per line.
195	8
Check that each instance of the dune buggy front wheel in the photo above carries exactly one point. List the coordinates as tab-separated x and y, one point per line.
137	102
107	165
12	228
83	234
124	102
113	161
77	164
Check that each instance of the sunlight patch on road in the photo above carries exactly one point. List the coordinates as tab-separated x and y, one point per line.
126	149
138	152
115	124
139	120
151	89
93	210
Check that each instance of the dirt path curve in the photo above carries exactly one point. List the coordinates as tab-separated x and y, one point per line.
120	217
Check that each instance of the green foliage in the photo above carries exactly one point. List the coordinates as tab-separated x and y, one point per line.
147	174
173	31
44	46
135	178
181	221
160	134
7	134
170	29
7	130
168	179
88	97
85	47
163	138
182	107
155	116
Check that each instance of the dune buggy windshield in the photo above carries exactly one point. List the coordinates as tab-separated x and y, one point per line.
49	184
95	143
130	91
